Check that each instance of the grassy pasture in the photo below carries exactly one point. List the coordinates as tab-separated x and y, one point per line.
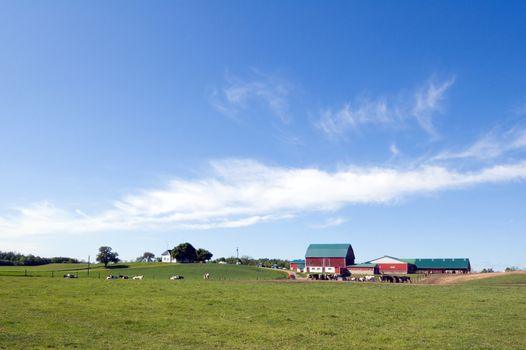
149	270
248	314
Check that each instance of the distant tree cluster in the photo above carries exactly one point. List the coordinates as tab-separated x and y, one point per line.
146	257
17	259
511	268
247	260
186	253
487	270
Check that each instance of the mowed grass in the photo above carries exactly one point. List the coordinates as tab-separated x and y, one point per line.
504	280
249	314
149	270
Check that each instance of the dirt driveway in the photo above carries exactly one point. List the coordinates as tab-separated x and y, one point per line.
454	279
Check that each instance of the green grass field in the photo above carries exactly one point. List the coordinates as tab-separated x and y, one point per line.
149	270
246	313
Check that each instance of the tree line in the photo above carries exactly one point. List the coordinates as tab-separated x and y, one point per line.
17	259
262	262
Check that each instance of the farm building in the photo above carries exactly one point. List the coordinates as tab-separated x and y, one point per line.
388	264
440	265
167	257
297	265
363	269
328	258
391	265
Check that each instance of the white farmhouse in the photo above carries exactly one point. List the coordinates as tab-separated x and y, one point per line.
167	257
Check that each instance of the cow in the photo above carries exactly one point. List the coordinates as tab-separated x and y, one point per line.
385	278
177	277
111	277
69	275
405	279
369	278
206	276
140	278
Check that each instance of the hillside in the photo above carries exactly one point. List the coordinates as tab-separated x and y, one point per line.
149	271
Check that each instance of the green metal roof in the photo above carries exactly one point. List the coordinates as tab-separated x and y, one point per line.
327	250
298	261
440	263
364	265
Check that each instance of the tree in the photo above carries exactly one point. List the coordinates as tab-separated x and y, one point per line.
106	255
203	255
185	253
148	257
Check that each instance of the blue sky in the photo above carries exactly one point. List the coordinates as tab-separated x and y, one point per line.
399	127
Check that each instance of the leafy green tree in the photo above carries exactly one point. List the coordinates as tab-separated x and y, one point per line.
148	257
203	255
106	255
185	253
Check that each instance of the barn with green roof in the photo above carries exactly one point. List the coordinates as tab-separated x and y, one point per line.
328	258
440	265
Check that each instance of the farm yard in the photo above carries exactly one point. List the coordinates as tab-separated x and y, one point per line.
249	309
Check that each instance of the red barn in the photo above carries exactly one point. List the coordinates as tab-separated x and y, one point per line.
328	258
388	264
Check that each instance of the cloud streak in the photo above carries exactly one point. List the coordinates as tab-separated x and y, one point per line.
237	193
239	96
490	146
421	106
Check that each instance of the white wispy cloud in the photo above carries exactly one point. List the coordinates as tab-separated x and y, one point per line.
239	96
330	222
420	105
490	146
237	193
394	150
427	101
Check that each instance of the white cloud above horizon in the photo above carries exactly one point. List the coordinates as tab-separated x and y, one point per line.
421	105
237	193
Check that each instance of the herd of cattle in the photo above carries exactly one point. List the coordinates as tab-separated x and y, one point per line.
121	277
381	278
140	278
322	277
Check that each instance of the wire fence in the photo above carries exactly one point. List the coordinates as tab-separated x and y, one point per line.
414	278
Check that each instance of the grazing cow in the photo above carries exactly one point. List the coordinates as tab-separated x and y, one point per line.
111	277
206	276
140	278
405	279
353	279
69	275
291	276
385	278
369	278
177	277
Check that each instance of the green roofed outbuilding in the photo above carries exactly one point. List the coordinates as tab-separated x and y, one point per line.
297	265
441	265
